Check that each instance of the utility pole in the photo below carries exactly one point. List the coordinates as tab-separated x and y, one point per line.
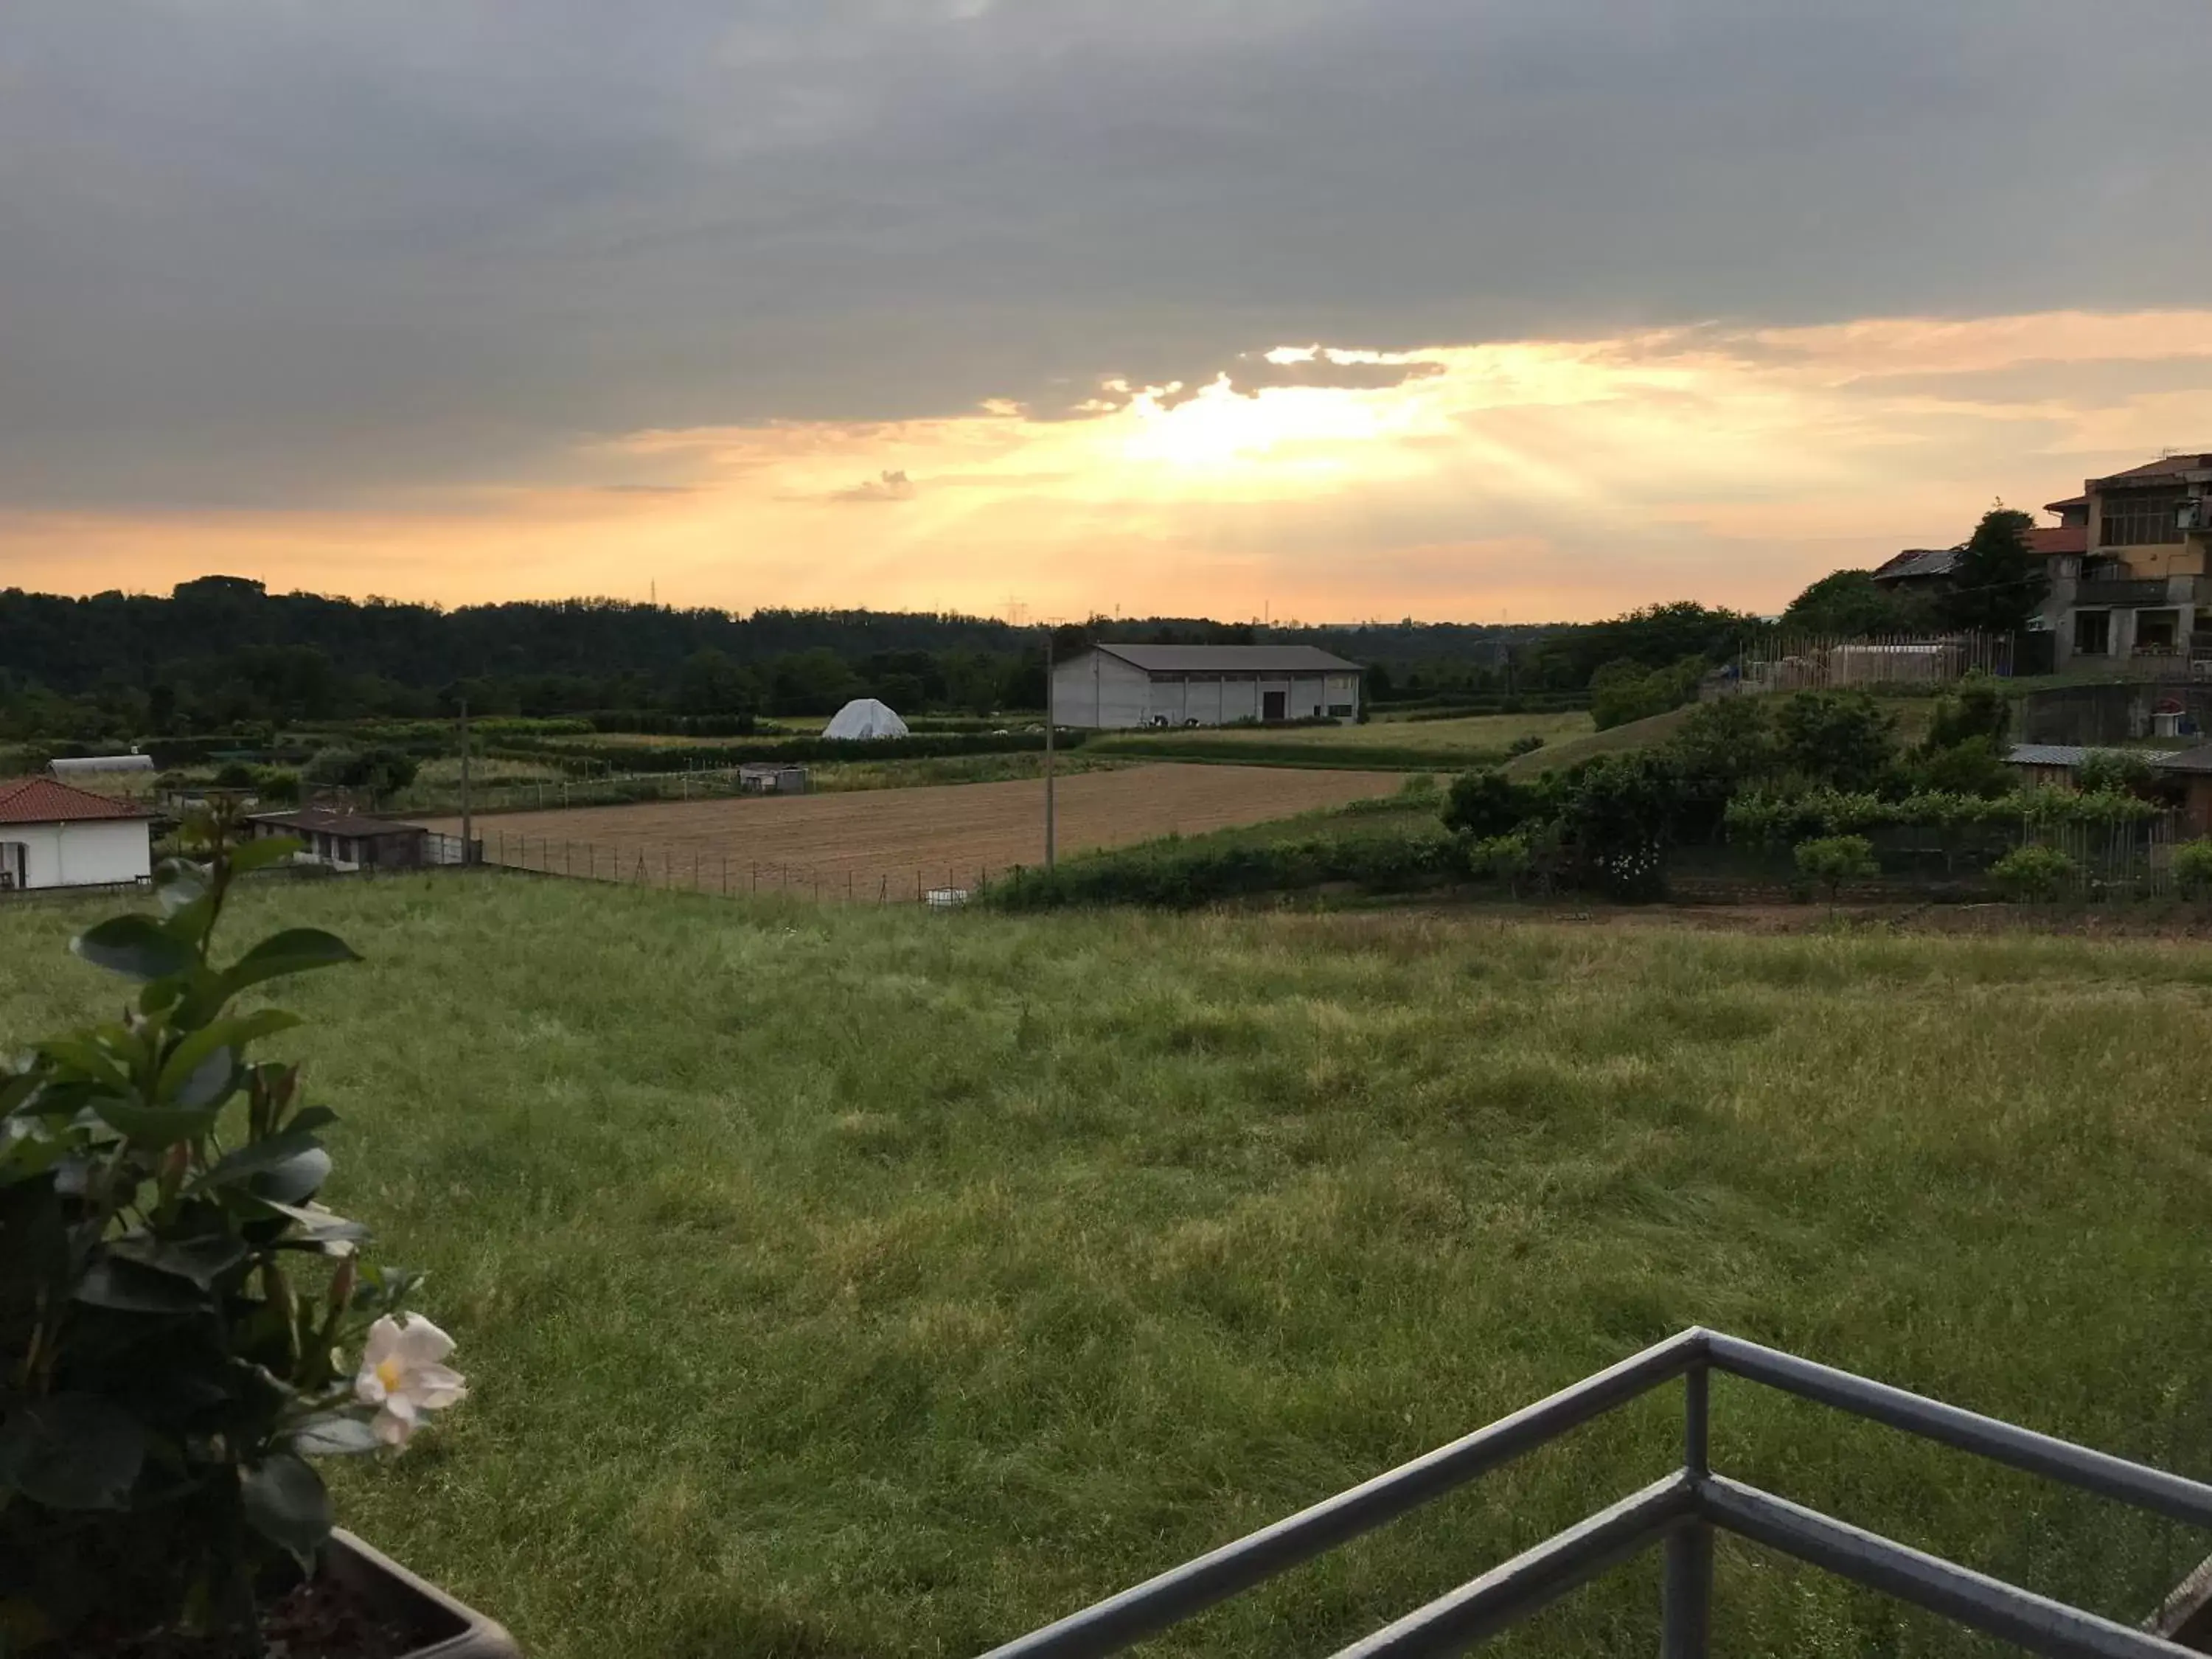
468	821
1051	709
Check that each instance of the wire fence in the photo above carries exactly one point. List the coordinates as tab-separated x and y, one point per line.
703	869
1816	662
498	795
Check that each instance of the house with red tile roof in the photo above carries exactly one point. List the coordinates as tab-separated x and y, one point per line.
55	835
2130	563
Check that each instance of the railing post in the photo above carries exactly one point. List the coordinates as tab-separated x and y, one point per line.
1686	1614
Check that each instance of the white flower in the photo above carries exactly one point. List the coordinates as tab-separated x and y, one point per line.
400	1375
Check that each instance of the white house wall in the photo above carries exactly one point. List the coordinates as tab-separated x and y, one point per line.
83	854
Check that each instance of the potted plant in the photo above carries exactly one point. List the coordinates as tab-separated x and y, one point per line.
184	1328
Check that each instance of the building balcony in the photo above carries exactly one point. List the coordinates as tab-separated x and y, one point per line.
2128	591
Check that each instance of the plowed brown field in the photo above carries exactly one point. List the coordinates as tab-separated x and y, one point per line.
895	843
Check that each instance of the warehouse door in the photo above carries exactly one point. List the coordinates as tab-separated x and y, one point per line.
1271	705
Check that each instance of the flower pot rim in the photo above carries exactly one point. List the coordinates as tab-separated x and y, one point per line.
464	1633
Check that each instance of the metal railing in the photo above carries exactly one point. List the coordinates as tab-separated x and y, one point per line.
1679	1512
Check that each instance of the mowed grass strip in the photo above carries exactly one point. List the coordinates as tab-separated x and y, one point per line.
835	1281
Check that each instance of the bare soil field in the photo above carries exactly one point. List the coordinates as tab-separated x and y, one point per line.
898	843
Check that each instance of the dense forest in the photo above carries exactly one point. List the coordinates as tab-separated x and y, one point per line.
221	650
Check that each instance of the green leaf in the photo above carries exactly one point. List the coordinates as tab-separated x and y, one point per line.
318	1225
127	1288
292	952
273	1153
261	854
71	1451
154	1125
287	1503
86	1058
135	946
176	885
294	1181
189	923
333	1436
202	1260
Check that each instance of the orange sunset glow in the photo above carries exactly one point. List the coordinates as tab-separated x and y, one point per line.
1528	479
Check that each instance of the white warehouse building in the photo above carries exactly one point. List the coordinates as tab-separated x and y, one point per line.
53	834
1112	686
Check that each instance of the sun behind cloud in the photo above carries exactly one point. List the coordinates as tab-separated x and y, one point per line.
1538	479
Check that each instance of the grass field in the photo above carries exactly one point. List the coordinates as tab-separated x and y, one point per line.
1406	744
835	1281
896	843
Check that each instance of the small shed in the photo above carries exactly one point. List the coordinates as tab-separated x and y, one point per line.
768	778
55	835
863	720
2048	763
346	839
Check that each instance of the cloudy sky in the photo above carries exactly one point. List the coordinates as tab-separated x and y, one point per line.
1330	308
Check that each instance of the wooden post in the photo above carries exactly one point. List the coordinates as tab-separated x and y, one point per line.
468	820
1051	712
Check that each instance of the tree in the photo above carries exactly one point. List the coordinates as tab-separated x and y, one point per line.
1997	583
1836	737
1832	860
1623	690
710	681
1852	603
376	771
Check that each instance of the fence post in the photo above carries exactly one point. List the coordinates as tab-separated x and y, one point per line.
1686	1594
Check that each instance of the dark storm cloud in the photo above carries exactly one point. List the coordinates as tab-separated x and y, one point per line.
268	251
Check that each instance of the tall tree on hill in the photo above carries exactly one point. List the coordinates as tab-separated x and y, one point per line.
1851	604
1997	583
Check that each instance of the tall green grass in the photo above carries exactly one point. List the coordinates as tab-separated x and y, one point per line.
838	1282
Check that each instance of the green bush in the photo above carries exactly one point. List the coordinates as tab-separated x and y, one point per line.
2115	771
1617	819
1975	708
175	1307
2032	872
1831	861
1527	743
2192	867
1971	765
1839	739
1178	875
1504	859
1486	803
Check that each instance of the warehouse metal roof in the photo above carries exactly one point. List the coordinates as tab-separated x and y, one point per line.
1230	658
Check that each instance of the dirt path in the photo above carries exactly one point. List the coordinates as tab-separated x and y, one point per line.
892	843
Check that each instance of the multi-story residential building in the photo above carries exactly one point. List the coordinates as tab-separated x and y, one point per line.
2131	569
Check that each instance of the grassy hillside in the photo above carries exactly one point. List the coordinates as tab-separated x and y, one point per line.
840	1282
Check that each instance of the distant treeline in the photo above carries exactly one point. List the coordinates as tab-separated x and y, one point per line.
221	653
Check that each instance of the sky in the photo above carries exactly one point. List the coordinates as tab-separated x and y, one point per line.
1313	309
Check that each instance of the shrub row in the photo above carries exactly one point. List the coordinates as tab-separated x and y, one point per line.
1758	818
1182	876
1261	751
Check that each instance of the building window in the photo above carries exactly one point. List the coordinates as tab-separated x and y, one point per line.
2093	633
2141	518
2157	630
1339	711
